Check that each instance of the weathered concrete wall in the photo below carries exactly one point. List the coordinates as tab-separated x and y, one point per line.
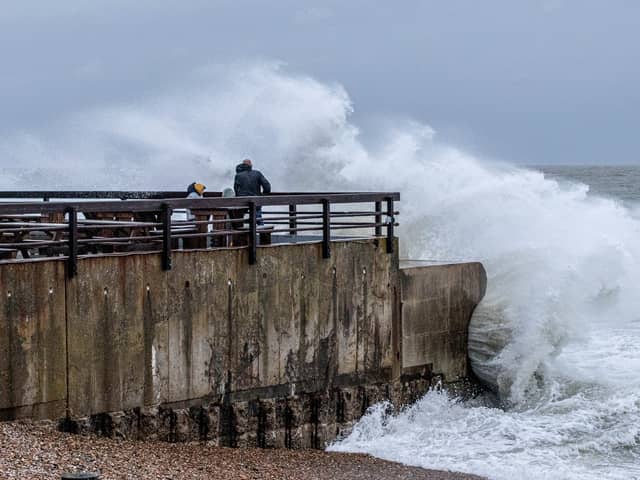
437	303
288	352
140	336
32	340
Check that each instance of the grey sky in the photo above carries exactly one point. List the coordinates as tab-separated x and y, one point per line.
531	81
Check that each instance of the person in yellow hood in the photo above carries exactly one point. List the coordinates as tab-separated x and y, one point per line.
196	190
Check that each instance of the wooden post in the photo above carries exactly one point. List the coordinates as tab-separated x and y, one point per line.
378	221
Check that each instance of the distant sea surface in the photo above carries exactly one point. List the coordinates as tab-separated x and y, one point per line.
621	182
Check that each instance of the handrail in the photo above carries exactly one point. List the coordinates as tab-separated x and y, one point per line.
124	194
194	203
113	194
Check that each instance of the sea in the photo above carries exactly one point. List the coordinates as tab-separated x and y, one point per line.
556	340
617	182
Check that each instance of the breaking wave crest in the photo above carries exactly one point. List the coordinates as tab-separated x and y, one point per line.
558	334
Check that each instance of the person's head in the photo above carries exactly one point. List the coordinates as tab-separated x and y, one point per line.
247	161
199	188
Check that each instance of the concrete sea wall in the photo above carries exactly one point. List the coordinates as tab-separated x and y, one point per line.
288	352
437	304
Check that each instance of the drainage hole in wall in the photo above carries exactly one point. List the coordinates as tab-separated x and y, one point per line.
187	284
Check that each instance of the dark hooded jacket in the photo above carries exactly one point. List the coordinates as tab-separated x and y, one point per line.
249	182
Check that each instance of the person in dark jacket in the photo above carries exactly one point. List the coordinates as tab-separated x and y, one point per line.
249	182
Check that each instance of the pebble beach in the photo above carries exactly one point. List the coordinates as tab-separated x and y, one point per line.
38	451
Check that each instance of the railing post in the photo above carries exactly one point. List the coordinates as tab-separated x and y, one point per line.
252	234
390	224
166	236
326	229
72	259
378	220
293	221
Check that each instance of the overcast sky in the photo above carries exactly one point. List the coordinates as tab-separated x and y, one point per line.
529	81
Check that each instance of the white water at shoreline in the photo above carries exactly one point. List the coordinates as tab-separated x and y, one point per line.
563	266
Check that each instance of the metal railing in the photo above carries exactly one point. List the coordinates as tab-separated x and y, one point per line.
94	223
47	195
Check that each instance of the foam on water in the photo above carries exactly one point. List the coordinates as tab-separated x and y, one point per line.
558	334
